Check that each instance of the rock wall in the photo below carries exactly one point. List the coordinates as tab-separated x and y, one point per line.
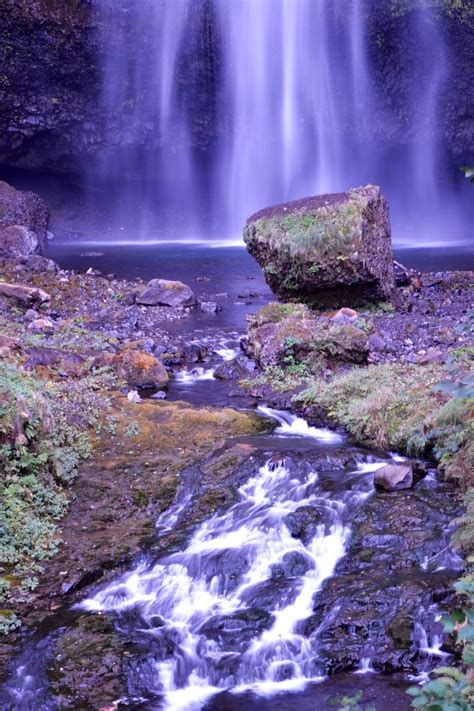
49	82
51	54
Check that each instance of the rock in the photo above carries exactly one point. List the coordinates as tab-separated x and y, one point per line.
411	358
209	307
42	325
24	219
345	316
133	396
282	334
140	369
25	294
376	343
303	523
37	263
17	242
328	248
31	314
161	292
193	353
432	355
293	564
234	369
394	476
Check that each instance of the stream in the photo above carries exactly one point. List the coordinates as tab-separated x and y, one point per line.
311	586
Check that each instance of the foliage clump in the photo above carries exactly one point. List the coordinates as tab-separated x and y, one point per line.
43	436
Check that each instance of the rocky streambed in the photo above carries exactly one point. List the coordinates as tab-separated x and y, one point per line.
181	543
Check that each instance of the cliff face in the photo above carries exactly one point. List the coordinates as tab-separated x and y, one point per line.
395	31
51	54
49	82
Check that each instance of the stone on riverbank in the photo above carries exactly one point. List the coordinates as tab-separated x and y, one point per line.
25	294
394	476
24	220
140	369
162	292
330	249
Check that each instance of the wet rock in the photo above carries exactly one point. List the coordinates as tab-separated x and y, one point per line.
234	369
329	248
193	353
293	564
25	294
140	369
394	476
303	523
88	669
209	307
236	631
161	292
381	589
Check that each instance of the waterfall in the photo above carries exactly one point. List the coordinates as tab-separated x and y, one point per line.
217	108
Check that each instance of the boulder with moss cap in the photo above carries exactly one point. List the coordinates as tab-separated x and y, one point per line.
328	249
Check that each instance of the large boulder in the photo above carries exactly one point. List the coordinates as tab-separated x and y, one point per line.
394	476
24	220
328	249
162	292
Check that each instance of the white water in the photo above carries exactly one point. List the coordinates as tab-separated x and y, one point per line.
203	595
188	377
225	107
292	426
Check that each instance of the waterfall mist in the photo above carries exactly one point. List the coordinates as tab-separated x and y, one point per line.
217	108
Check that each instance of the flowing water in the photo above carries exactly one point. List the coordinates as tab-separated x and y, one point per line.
241	611
217	108
220	602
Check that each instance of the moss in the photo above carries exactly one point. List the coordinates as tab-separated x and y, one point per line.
276	312
461	10
402	407
317	234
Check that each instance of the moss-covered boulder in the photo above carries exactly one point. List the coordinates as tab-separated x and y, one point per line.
329	249
140	369
291	334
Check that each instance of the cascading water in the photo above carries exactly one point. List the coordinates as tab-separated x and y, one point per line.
227	612
215	109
